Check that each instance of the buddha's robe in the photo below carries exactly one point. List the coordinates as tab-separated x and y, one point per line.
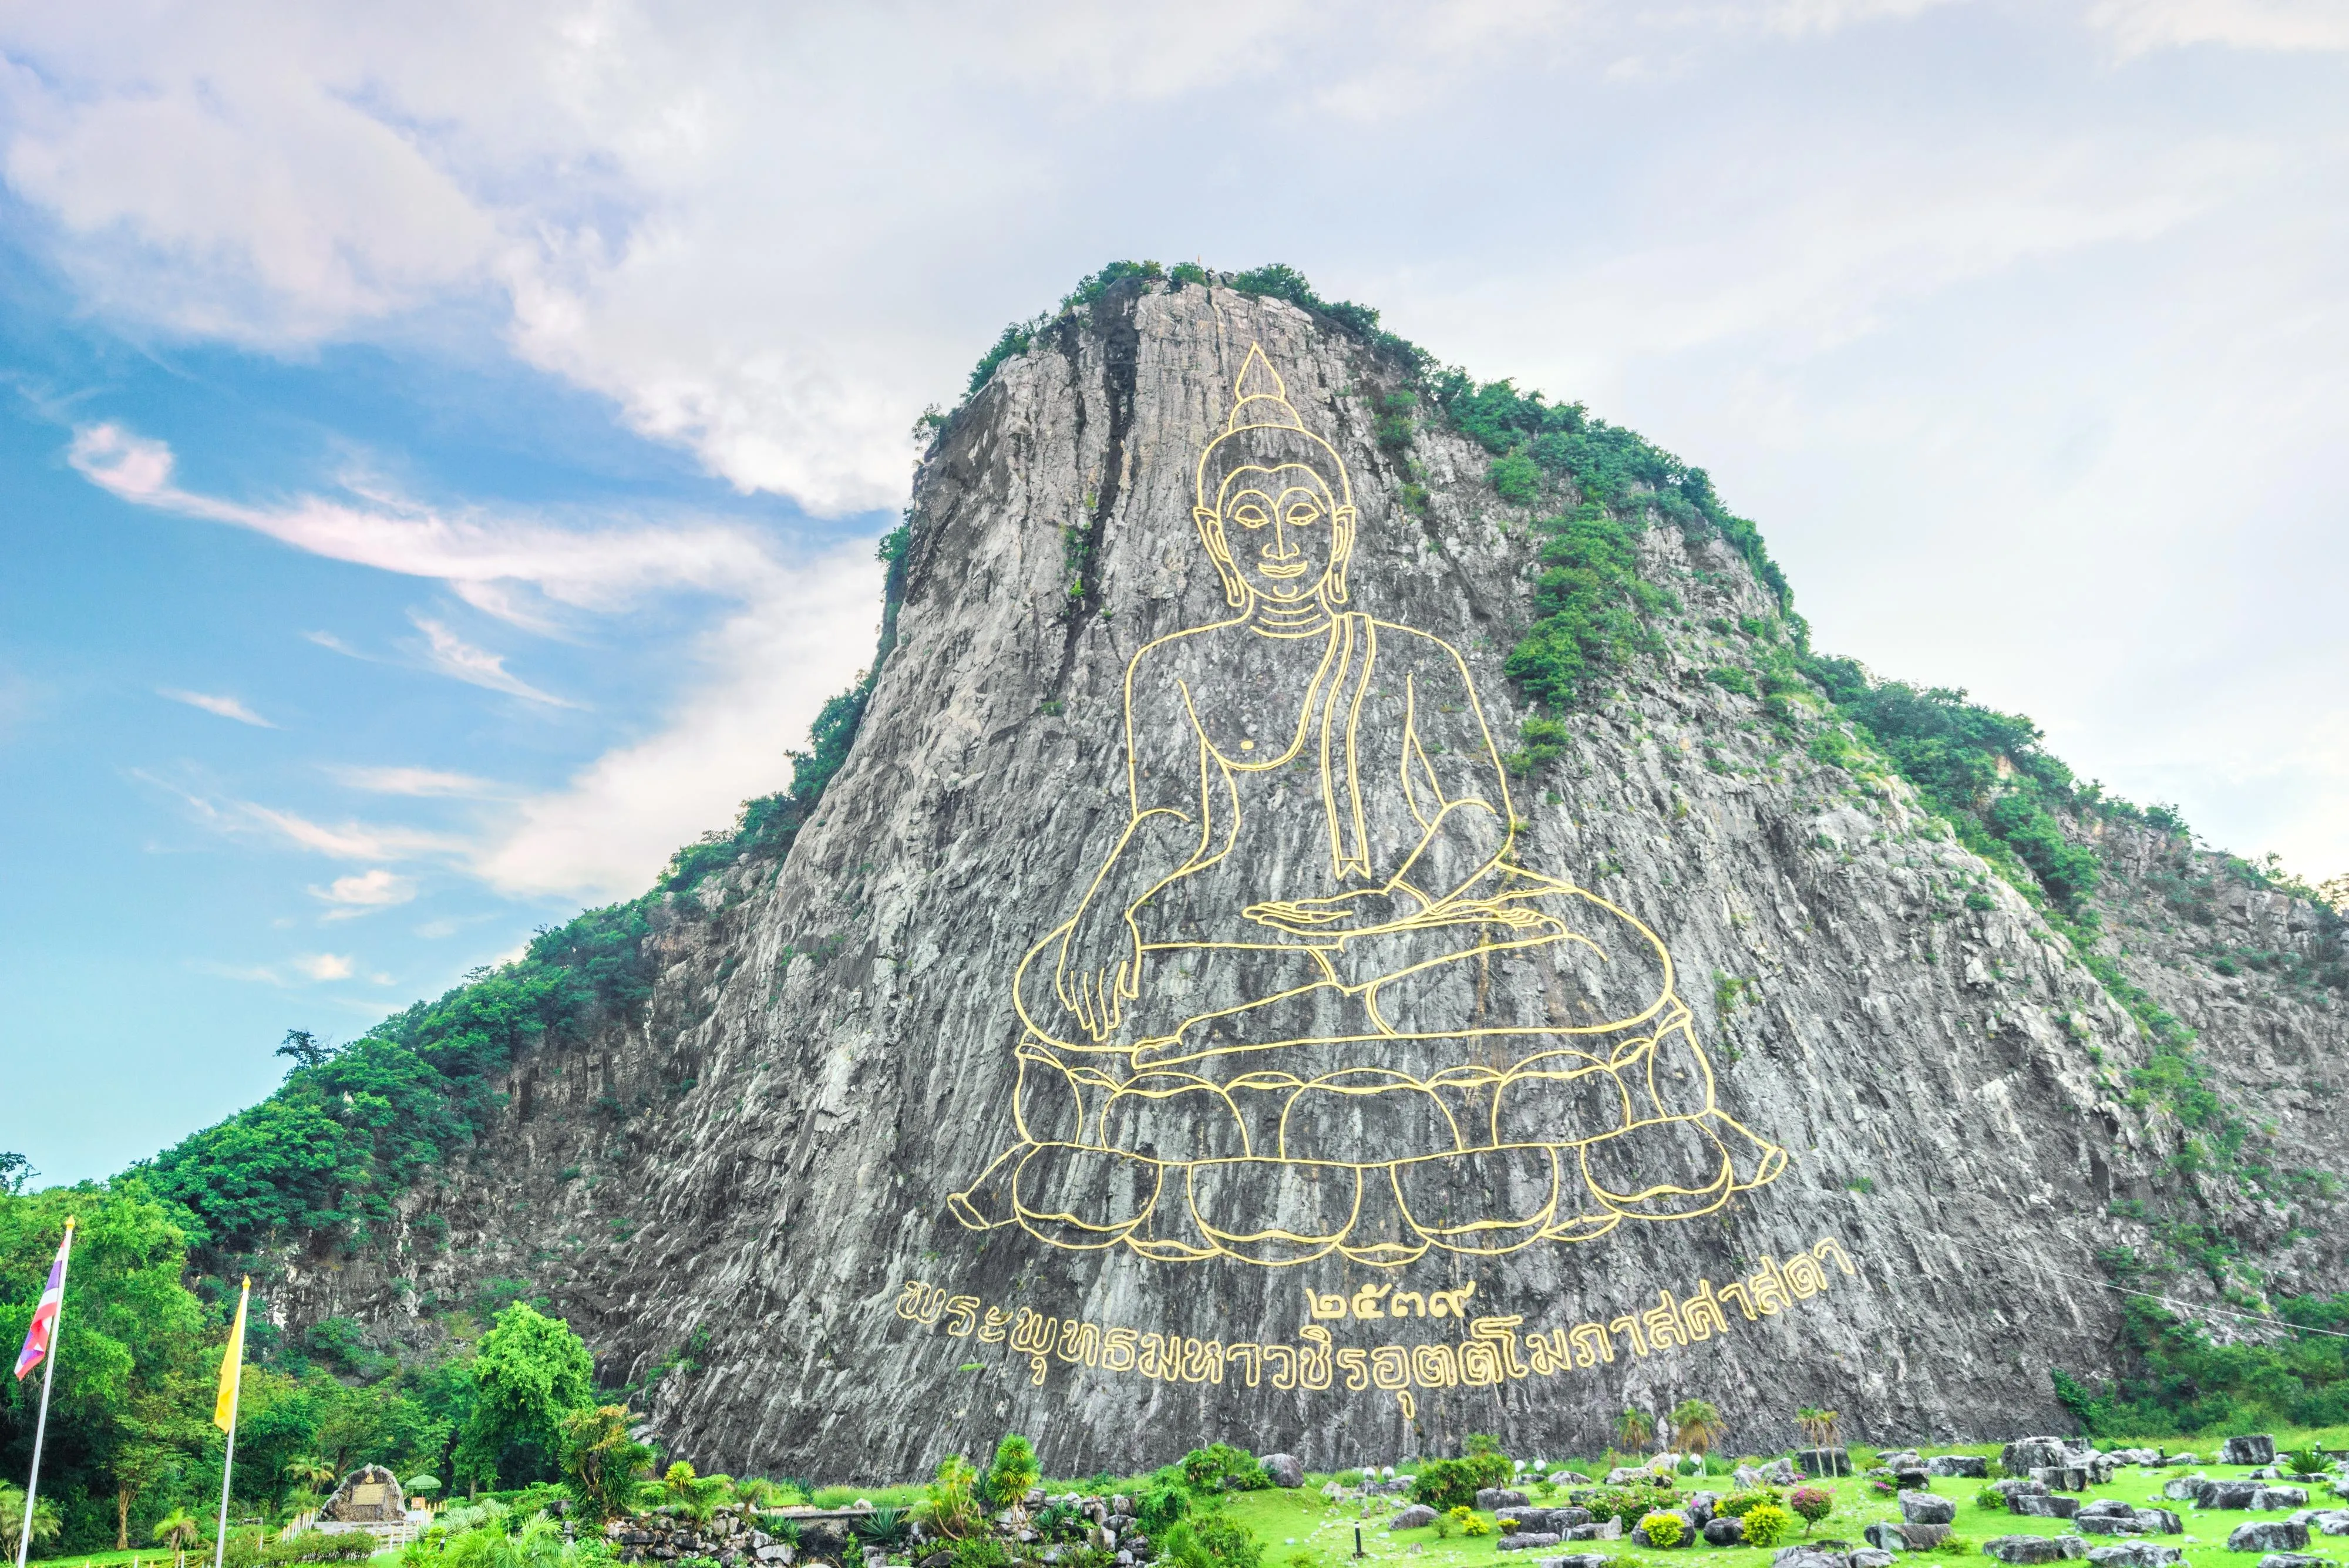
1509	1056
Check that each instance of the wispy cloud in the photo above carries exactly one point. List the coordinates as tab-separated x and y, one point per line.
226	707
610	829
452	656
2139	27
486	558
364	893
350	840
413	782
302	968
344	841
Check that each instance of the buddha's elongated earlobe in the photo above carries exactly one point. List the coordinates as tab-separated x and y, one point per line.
1341	550
1211	533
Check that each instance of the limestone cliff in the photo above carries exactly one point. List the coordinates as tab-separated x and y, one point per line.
783	1162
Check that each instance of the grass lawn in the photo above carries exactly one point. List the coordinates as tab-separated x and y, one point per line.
1301	1529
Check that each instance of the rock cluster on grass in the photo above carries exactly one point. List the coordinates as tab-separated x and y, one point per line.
2258	1449
2268	1535
1971	1466
2062	1465
1830	1554
2029	1549
1888	1536
734	1537
1284	1470
2135	1555
2042	1505
2250	1496
2329	1520
2111	1516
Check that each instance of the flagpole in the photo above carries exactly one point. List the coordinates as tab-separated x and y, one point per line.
228	1457
41	1427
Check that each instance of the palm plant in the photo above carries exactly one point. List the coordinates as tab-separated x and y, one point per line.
1635	1429
1818	1426
178	1530
1696	1426
14	1527
2308	1461
539	1544
307	1471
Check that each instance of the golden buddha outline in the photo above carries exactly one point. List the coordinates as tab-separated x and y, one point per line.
1403	1039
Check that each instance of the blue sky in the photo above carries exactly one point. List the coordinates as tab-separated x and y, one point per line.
440	452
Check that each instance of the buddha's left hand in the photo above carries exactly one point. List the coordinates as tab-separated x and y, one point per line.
1372	909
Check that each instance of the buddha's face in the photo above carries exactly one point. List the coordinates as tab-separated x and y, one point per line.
1282	527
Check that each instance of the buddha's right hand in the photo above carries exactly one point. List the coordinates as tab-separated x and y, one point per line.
1100	967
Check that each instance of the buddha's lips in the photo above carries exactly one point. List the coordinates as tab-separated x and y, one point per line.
1278	569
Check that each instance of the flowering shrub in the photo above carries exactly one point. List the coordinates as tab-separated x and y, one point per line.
1768	1525
1813	1503
1663	1529
1630	1504
1468	1521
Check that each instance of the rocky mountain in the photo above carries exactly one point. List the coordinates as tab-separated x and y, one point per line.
1333	928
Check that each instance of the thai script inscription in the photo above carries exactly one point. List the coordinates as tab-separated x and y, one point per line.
1495	1347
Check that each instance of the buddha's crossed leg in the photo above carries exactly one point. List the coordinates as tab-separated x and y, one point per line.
1473	1083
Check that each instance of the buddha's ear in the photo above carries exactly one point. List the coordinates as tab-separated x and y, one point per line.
1211	533
1341	550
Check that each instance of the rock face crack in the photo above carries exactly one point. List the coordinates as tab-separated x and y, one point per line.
1118	341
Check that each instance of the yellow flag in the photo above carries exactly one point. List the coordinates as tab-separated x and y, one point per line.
232	1366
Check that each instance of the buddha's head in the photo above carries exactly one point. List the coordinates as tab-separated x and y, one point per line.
1274	506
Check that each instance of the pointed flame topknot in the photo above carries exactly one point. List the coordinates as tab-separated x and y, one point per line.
1261	398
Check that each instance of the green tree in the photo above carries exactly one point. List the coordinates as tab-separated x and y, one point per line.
1696	1426
601	1465
531	1372
1635	1429
130	1363
1014	1470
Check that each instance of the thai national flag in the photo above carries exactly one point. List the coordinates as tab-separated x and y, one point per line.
44	1331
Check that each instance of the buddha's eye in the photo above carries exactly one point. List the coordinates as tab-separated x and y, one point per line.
1249	514
1303	514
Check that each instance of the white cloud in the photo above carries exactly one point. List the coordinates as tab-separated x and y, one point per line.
226	707
769	235
348	841
413	782
365	892
764	674
592	569
452	656
2138	26
306	967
